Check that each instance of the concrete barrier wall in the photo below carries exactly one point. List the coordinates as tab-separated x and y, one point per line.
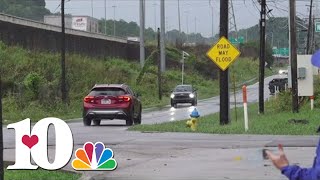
39	36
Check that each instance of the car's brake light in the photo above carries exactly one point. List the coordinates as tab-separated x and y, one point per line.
89	99
124	98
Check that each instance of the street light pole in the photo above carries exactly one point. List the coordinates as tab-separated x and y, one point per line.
91	8
184	54
179	20
212	34
159	64
142	22
114	20
195	29
162	37
1	133
187	18
105	16
63	56
195	25
155	17
182	68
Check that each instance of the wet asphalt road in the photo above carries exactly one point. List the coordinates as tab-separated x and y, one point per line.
204	107
154	116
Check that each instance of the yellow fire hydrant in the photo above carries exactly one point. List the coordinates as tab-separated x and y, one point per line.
192	123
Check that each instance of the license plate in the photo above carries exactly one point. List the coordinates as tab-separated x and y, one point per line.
105	101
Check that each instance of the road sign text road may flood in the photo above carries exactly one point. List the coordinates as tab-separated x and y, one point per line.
223	46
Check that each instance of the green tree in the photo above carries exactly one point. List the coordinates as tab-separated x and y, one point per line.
30	9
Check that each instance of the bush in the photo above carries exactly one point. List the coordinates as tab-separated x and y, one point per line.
317	92
281	103
33	81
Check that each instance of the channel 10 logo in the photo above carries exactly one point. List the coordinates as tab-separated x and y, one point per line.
34	143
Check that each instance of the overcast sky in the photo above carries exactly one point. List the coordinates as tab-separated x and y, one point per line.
195	14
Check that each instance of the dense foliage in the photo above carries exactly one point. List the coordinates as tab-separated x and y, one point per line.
30	9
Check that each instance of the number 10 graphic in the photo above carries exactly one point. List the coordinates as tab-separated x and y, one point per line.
35	144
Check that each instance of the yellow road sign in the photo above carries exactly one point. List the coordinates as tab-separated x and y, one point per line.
223	53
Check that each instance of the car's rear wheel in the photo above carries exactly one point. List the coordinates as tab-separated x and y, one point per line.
86	121
96	122
130	119
137	120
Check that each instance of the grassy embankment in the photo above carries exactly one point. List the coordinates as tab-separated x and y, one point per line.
31	82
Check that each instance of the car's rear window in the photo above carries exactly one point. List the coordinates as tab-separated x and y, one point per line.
107	92
183	88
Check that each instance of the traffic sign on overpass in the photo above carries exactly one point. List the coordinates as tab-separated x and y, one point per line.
239	40
317	26
280	51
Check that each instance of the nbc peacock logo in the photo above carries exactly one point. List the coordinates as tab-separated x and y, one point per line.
94	157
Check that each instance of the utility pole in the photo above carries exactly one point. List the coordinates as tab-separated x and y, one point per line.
114	20
262	55
64	95
91	8
195	29
187	23
309	28
155	19
1	133
182	67
179	20
313	46
212	27
142	50
159	65
293	59
105	16
224	75
195	25
162	37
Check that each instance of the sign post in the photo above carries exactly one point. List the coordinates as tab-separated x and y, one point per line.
245	108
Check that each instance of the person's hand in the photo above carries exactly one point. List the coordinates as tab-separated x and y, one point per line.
279	160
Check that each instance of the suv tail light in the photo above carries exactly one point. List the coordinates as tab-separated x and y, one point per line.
124	98
89	99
